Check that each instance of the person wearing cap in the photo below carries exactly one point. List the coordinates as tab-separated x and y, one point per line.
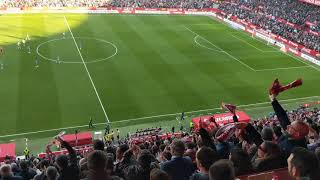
295	132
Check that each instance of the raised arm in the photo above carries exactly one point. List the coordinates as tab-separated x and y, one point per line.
71	151
235	118
254	135
280	112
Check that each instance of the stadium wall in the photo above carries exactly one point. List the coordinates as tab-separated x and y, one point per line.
297	49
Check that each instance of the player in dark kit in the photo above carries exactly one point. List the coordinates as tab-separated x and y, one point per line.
1	51
91	123
107	128
182	116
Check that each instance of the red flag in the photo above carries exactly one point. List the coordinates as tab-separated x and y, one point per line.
231	108
295	83
276	87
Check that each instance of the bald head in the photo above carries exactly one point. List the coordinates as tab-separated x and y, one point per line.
298	129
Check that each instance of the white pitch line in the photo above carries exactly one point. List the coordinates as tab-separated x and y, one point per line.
77	62
202	24
265	51
204	39
247	43
274	69
288	54
221	49
276	49
300	60
244	105
85	66
195	40
156	116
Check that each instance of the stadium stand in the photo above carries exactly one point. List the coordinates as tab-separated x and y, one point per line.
260	149
195	4
284	145
294	20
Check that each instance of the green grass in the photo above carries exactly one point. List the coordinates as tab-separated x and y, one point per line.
159	69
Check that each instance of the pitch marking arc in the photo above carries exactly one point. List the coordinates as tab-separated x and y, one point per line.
73	62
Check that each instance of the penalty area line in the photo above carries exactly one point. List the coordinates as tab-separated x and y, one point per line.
247	43
223	51
195	40
288	54
155	116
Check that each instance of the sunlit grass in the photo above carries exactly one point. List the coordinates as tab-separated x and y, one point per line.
14	28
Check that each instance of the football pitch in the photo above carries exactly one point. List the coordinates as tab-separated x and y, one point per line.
132	69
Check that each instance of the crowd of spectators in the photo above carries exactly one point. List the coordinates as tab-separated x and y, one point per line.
187	4
293	11
145	132
281	139
268	14
52	3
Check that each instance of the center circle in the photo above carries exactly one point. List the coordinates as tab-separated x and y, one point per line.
87	46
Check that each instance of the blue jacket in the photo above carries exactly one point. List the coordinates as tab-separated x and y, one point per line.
179	168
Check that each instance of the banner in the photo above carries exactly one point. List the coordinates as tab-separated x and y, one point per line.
221	119
314	33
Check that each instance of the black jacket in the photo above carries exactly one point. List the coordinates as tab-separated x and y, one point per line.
28	174
253	135
41	176
72	171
